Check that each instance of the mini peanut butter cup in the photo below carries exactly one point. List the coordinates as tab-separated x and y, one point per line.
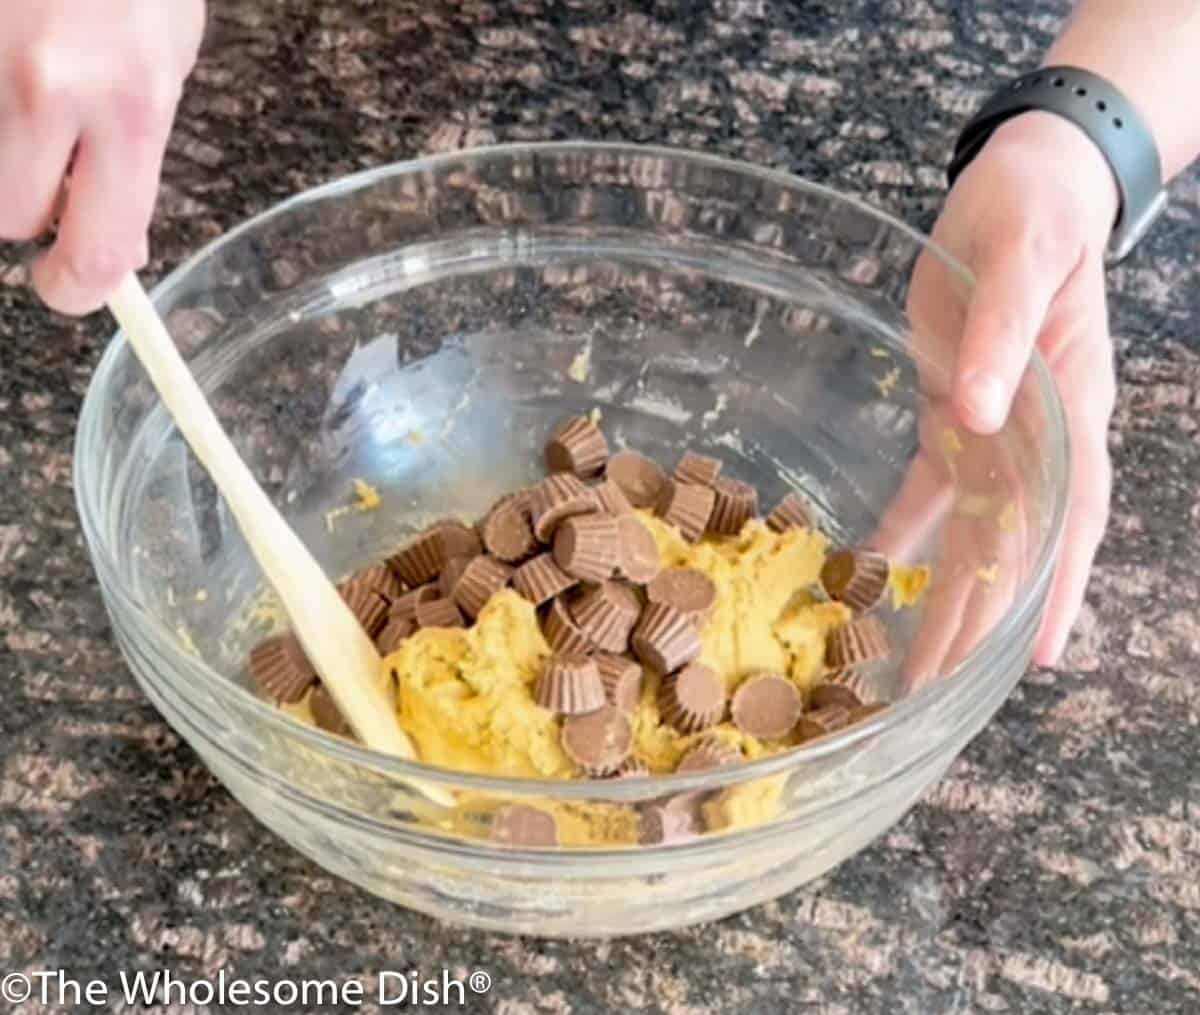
640	479
691	592
606	613
692	699
791	513
451	571
570	685
611	500
622	680
455	539
664	639
394	632
326	714
523	825
864	712
766	706
379	578
599	741
480	580
539	580
860	641
438	613
699	470
555	499
405	605
280	667
562	633
852	679
588	547
508	534
734	504
639	558
420	561
833	694
577	445
708	753
686	506
822	721
857	578
675	819
366	604
631	768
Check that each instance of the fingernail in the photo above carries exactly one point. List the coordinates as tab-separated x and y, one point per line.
984	396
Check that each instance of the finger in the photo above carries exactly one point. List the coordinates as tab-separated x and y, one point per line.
102	235
33	163
993	590
936	308
945	605
1088	390
1016	283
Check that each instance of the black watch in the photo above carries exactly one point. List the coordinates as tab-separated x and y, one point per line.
1103	114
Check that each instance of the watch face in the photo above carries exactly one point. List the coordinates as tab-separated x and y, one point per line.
1128	233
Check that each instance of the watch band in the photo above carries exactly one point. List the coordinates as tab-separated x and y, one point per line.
1098	109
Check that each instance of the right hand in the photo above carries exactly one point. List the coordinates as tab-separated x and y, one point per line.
90	88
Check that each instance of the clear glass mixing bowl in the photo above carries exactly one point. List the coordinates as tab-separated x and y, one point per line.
421	326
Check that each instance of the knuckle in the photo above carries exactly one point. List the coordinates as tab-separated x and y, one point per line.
36	79
97	266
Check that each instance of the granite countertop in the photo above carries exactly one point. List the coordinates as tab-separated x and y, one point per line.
1055	868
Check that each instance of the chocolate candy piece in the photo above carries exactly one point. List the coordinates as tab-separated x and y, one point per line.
540	579
611	500
710	752
860	641
522	825
455	539
692	699
640	479
405	607
379	578
366	604
599	741
833	694
735	504
451	571
570	685
508	533
767	706
691	592
675	819
326	714
555	499
664	638
822	721
687	507
639	559
855	577
791	513
852	679
699	470
481	580
561	631
577	446
280	667
631	768
393	634
606	613
438	613
622	680
588	547
420	561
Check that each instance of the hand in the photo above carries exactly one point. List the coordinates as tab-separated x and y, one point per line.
91	87
1030	218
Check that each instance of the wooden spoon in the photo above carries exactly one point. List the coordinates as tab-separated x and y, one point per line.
345	658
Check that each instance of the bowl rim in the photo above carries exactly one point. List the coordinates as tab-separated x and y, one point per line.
1056	451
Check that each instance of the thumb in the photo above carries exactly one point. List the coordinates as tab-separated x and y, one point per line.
1016	281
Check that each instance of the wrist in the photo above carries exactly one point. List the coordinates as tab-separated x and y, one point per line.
1064	154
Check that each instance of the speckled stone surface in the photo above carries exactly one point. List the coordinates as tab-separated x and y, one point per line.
1057	866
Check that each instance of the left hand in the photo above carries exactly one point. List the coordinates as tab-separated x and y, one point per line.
1030	217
